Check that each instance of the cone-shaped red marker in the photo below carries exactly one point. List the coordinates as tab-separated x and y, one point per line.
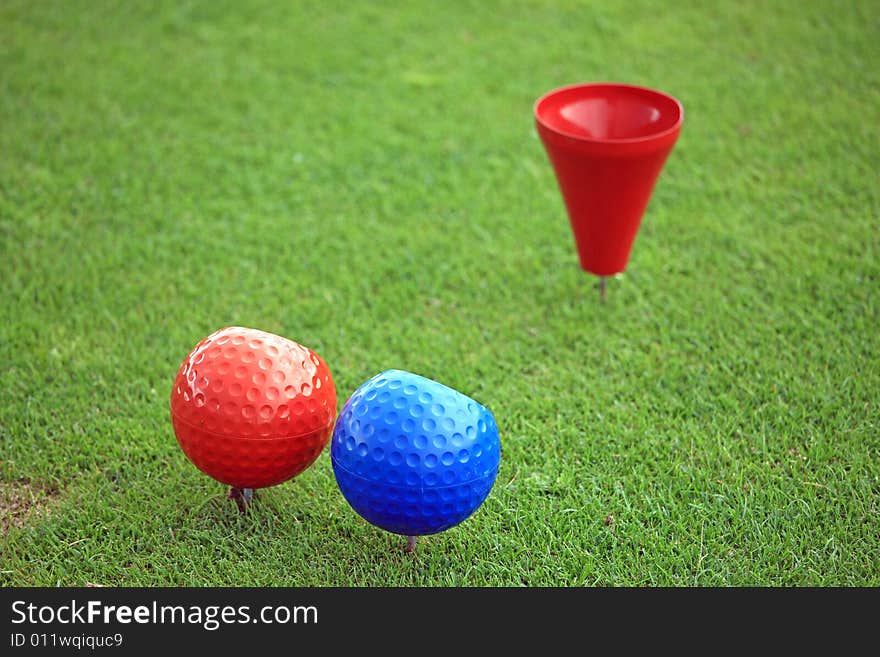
607	143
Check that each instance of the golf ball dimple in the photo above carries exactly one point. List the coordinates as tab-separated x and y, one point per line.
413	456
252	409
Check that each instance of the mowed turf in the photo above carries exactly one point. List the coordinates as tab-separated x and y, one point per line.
367	180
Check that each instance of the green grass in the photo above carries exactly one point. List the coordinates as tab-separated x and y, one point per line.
367	180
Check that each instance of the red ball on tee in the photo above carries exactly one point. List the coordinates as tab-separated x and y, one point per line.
252	409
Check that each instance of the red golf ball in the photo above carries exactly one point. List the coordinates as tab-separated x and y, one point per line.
252	409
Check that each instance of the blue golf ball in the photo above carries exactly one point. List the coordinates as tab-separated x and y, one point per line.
413	456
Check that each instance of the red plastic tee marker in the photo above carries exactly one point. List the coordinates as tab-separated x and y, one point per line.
607	143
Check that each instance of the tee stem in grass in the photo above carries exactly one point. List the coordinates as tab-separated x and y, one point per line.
602	288
410	544
242	497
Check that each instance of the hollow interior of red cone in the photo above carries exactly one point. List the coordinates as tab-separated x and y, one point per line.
609	112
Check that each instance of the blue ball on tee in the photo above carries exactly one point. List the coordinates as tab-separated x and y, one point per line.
413	456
